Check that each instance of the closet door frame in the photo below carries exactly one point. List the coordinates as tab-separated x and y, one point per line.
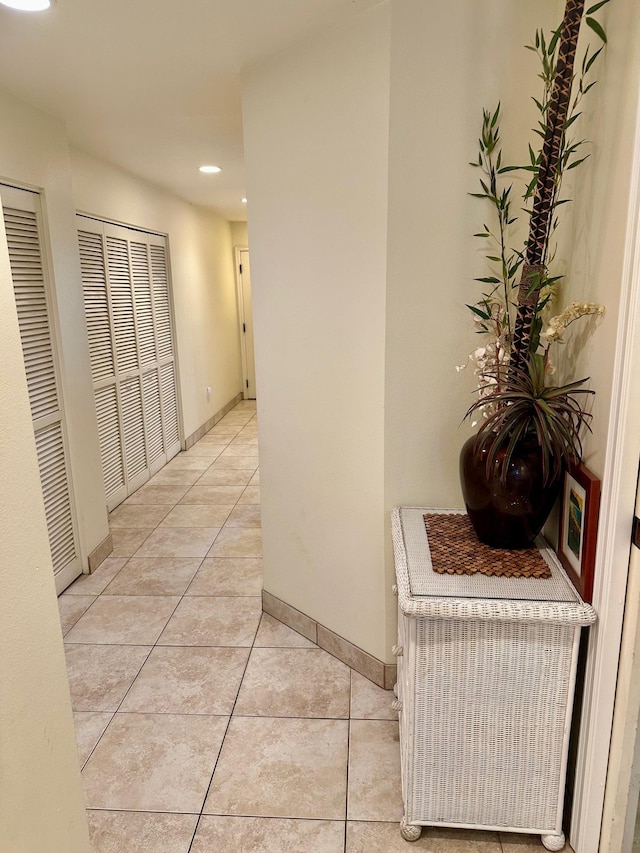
19	197
108	228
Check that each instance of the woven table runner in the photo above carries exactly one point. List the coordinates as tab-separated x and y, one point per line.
451	535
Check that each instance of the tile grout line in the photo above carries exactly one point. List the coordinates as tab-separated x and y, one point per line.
224	737
155	644
346	793
346	797
190	486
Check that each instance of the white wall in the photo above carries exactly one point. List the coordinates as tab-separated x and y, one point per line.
475	58
598	253
34	154
239	234
42	805
592	247
202	266
315	130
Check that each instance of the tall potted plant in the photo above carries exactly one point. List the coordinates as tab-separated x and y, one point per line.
530	428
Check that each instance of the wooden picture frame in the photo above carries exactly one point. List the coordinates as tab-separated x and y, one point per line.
579	508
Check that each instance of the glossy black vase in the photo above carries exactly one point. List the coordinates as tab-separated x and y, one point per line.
509	513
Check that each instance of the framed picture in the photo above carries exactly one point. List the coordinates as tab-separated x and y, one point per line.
579	527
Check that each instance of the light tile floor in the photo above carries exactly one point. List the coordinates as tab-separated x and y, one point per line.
205	726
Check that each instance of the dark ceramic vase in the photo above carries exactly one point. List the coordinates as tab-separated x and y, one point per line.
509	513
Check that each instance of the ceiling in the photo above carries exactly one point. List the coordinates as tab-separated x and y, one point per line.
153	86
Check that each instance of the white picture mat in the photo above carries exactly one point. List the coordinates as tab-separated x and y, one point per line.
572	485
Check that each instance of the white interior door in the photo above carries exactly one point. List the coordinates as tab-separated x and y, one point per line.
36	317
125	277
246	324
621	820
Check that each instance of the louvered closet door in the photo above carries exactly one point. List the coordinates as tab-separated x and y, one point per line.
128	309
35	316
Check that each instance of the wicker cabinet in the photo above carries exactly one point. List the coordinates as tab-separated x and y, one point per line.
486	676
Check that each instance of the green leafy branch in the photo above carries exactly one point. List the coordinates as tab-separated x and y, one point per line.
492	311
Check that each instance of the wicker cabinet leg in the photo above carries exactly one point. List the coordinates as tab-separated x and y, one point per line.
409	832
553	842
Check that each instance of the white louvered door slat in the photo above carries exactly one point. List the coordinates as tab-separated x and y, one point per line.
153	420
133	431
111	450
128	307
22	226
170	409
144	311
122	305
96	305
161	301
33	317
103	363
55	488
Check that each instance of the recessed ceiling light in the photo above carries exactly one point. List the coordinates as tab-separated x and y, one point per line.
210	170
27	5
244	201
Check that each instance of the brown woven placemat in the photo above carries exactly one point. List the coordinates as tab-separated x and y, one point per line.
456	550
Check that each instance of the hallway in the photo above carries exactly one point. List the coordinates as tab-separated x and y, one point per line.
203	725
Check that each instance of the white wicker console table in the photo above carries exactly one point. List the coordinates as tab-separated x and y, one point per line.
486	676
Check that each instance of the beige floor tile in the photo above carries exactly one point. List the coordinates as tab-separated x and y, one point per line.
385	838
246	515
255	480
193	515
188	681
140	832
222	432
239	450
154	576
215	444
179	542
226	477
153	762
268	835
228	576
236	419
375	791
294	683
89	726
248	439
137	515
229	423
240	463
99	676
212	495
204	621
281	768
71	608
251	495
370	702
237	542
515	842
175	477
126	540
188	463
97	581
275	634
226	429
148	494
134	620
206	450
